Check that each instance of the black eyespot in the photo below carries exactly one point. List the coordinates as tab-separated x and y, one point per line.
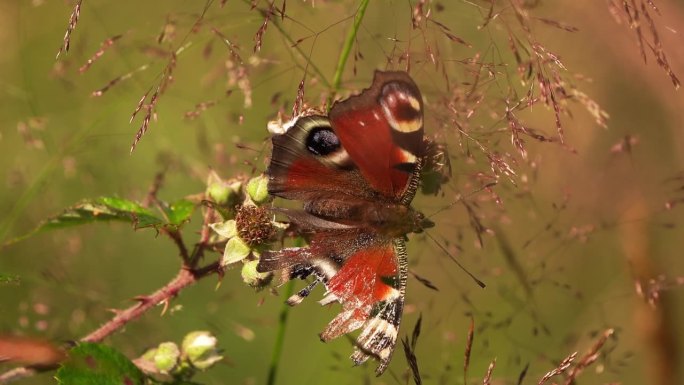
322	141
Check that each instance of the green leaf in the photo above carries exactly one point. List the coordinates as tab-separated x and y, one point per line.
179	212
90	363
99	210
140	216
9	279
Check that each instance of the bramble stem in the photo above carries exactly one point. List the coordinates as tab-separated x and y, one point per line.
184	278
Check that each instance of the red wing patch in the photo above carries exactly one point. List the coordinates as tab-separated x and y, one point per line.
363	281
370	286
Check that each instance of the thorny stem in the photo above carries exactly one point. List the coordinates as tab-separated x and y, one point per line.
280	338
185	277
188	275
205	233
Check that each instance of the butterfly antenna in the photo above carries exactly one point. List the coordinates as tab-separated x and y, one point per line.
462	198
471	275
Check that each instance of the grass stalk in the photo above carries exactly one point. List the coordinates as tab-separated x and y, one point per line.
280	337
348	44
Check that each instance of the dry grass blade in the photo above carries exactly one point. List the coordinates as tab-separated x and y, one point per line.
149	108
139	106
117	80
562	367
475	222
416	332
488	376
490	16
657	48
447	32
232	48
105	45
593	108
73	20
523	374
499	166
418	14
513	262
632	12
636	15
199	109
412	361
557	24
259	36
165	81
468	349
424	281
589	357
299	100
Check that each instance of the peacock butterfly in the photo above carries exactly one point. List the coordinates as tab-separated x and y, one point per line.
356	172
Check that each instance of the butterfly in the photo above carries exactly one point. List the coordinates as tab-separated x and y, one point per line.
356	172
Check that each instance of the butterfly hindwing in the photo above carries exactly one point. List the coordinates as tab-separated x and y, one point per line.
370	285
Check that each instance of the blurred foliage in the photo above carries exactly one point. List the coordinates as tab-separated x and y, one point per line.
576	237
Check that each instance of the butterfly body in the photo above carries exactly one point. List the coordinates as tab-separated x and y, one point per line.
356	172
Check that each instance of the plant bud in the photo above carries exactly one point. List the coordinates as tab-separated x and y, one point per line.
200	349
253	278
257	189
166	357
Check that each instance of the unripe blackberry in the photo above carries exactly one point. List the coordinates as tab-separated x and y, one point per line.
253	224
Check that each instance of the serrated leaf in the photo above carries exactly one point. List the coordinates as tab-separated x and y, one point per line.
179	212
90	363
98	210
141	216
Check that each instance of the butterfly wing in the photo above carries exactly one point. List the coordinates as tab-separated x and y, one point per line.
309	163
365	274
370	285
367	155
382	132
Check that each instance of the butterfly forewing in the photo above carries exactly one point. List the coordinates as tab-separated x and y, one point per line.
307	164
382	131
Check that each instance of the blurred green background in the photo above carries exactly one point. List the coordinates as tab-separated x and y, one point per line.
581	225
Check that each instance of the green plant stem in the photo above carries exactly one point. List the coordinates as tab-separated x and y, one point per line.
280	338
348	44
